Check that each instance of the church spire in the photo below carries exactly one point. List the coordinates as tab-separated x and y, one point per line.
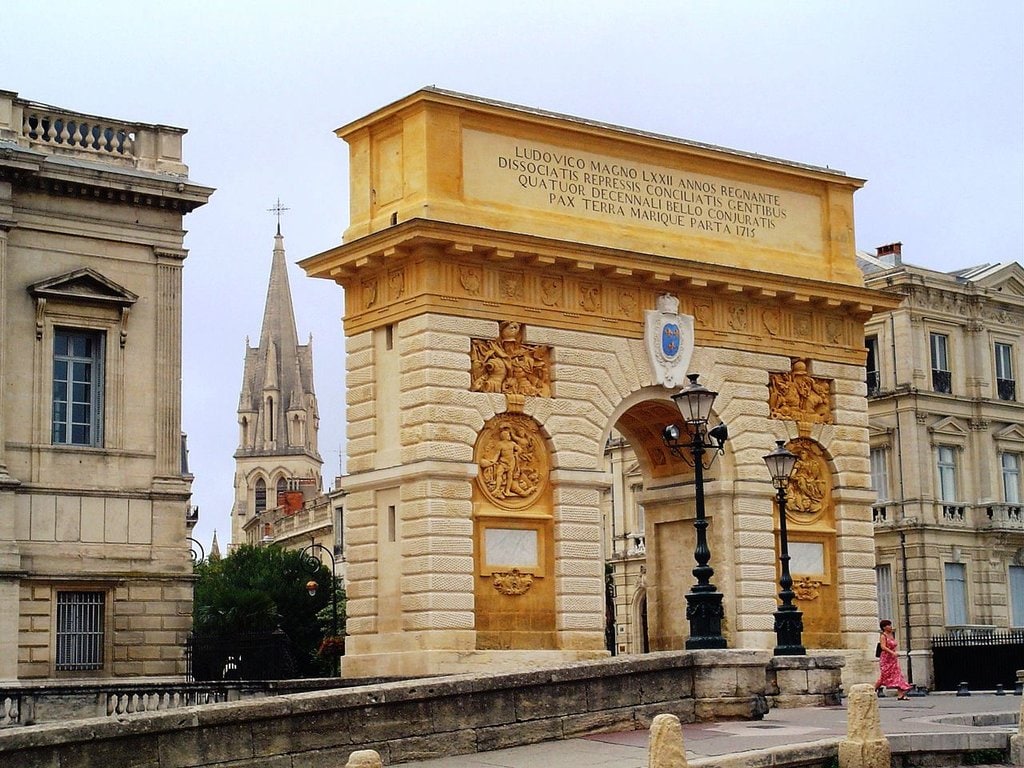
277	409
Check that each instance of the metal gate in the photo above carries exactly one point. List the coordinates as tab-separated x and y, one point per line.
982	660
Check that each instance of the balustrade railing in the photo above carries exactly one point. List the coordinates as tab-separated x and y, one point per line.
954	513
10	709
1005	516
77	132
60	132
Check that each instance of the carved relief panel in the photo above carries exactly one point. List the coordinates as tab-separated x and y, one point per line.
514	593
799	396
509	366
513	461
810	514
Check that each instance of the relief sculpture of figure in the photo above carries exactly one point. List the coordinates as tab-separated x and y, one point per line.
799	396
501	468
510	460
807	488
507	365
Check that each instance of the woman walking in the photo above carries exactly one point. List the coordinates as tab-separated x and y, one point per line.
889	674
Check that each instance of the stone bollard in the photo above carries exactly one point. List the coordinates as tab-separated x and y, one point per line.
667	750
865	746
1017	742
364	758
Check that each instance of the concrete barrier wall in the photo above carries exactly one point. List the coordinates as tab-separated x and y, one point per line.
424	718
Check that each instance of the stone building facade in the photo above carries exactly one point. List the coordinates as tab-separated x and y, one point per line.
947	445
498	268
95	572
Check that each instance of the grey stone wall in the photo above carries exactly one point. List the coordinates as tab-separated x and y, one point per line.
417	719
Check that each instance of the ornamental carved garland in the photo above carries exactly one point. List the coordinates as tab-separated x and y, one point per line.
512	582
506	365
799	396
807	588
513	461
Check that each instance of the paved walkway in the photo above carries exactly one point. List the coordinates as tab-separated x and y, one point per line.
780	727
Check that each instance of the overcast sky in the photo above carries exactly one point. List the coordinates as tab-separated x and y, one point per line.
923	99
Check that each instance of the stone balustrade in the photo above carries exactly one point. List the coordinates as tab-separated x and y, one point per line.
55	131
29	703
434	717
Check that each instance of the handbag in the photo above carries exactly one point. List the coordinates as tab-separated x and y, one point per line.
878	650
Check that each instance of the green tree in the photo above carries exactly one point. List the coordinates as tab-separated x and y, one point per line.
263	589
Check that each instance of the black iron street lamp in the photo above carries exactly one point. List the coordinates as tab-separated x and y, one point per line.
311	554
703	602
789	622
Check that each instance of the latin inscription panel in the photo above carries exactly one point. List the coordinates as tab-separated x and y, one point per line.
607	189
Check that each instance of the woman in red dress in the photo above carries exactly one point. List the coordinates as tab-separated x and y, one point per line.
889	674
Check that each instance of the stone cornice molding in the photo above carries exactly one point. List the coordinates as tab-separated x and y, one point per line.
425	266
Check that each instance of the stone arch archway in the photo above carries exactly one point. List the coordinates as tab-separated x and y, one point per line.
469	294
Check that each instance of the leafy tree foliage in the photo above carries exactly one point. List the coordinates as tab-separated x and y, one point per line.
262	589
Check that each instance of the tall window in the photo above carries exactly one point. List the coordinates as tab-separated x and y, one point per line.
1017	595
879	474
872	375
883	577
947	473
77	388
941	377
956	594
339	533
261	495
1010	465
79	630
1006	386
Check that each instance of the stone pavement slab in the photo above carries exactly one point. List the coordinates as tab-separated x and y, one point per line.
940	714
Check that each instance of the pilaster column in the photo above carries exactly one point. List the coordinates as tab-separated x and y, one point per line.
168	362
7	223
10	557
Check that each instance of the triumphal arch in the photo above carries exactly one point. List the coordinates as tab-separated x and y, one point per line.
504	270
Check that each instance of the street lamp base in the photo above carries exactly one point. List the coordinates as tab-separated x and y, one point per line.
704	612
789	626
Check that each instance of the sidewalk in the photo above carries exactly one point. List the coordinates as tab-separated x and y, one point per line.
780	727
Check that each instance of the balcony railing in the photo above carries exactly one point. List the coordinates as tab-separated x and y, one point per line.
1006	389
1008	516
58	131
880	514
942	381
954	513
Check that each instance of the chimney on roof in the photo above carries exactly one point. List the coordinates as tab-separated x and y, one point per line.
890	254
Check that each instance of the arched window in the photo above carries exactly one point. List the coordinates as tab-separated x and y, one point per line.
261	495
282	486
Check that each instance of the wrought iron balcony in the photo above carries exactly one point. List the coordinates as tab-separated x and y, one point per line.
942	381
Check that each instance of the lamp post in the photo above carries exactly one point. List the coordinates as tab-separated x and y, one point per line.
703	602
789	623
311	555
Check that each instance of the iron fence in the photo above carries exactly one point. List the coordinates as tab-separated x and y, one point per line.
983	660
249	656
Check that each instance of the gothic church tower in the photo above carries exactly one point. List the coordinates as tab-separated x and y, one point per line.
277	410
